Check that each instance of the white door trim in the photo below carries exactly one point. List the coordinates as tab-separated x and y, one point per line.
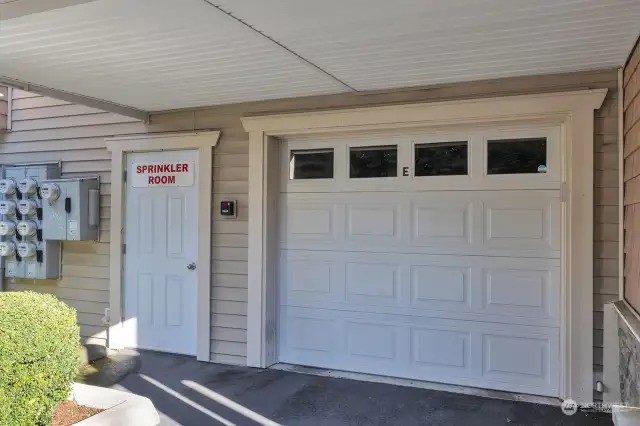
203	142
573	111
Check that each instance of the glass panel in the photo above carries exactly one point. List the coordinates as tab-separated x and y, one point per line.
441	159
516	156
311	164
373	161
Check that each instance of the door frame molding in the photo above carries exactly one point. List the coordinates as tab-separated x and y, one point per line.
203	142
572	111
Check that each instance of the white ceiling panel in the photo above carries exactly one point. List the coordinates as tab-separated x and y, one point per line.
153	55
386	44
166	54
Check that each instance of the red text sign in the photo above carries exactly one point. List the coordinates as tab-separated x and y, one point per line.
179	173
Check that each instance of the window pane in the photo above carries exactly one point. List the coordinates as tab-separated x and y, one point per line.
373	161
511	156
441	159
311	164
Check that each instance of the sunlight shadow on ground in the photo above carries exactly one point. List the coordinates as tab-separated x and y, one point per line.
187	401
240	409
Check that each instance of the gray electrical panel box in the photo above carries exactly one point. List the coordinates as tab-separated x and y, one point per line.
70	209
25	251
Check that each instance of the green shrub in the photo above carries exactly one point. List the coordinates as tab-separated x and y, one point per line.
39	357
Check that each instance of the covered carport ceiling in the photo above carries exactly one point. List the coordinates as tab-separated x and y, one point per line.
153	55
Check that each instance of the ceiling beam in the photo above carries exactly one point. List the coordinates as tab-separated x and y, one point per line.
76	99
10	9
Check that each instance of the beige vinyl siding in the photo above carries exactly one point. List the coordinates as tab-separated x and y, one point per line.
81	147
631	83
605	250
45	129
4	105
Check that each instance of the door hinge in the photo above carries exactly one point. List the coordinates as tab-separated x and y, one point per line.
124	176
124	249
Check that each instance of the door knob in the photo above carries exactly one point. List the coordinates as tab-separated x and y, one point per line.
191	266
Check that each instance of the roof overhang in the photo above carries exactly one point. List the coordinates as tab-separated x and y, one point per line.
10	9
76	98
144	56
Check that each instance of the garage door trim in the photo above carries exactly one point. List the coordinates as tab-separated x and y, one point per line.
574	111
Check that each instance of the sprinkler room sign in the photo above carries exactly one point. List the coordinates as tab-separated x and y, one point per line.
163	174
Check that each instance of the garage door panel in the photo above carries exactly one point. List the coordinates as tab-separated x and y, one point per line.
443	314
491	223
313	222
372	340
307	278
469	353
372	283
443	222
438	287
373	223
310	277
492	289
309	335
520	358
525	221
453	349
521	292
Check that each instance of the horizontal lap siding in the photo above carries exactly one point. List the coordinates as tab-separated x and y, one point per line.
45	129
3	108
632	179
230	241
606	182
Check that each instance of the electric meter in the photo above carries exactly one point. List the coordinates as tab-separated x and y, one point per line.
7	229
76	214
28	186
27	228
50	191
7	186
8	207
7	248
27	207
26	249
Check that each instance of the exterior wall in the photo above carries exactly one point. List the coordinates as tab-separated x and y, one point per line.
631	83
45	129
3	107
232	179
77	139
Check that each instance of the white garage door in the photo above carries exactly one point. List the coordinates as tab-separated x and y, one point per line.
427	257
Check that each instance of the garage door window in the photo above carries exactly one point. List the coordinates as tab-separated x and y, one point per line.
311	164
373	161
517	156
441	159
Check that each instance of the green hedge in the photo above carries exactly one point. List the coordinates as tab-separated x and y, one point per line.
39	356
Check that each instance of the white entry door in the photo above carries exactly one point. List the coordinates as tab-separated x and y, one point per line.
161	250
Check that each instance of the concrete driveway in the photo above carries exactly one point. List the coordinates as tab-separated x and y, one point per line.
187	392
